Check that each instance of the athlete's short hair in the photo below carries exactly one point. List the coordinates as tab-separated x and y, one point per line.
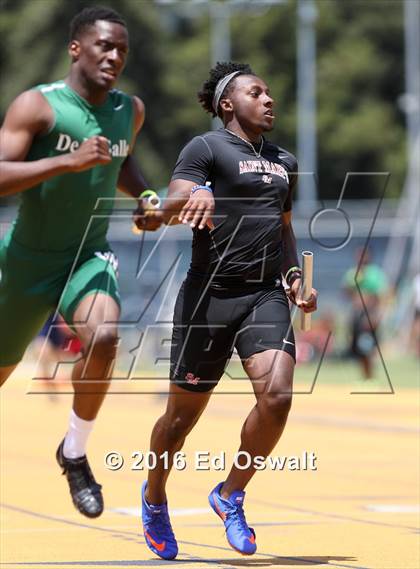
220	70
88	16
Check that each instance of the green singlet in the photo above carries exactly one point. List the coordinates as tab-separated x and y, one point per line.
56	252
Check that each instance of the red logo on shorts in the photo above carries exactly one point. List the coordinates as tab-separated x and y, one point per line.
191	378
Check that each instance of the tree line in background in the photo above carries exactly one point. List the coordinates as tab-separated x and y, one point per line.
360	76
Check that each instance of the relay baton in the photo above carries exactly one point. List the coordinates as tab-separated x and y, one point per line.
151	201
307	264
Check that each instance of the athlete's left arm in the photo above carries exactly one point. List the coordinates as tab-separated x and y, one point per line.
290	259
131	180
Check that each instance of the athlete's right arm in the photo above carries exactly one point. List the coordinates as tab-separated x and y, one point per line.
192	168
183	207
28	116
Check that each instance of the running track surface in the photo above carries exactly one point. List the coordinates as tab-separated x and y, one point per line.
359	509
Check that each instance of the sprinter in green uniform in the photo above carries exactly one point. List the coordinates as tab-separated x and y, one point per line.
65	146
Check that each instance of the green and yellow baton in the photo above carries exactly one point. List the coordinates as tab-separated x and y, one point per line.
152	201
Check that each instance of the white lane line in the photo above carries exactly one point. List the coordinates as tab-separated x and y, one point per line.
394	508
176	512
349	422
54	529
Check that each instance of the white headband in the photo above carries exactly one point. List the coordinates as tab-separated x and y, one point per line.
220	87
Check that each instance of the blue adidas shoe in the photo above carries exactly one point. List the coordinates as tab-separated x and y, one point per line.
157	528
239	535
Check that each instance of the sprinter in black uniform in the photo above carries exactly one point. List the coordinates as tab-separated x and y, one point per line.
233	296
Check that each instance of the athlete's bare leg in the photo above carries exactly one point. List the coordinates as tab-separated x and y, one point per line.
183	410
271	373
96	322
5	372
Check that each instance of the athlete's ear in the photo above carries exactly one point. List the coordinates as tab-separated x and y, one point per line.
74	50
226	105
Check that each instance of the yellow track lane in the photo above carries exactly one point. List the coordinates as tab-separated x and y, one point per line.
357	510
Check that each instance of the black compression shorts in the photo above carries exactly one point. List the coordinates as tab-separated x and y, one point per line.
209	325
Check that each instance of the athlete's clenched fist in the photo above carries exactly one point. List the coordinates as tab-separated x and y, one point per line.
90	153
